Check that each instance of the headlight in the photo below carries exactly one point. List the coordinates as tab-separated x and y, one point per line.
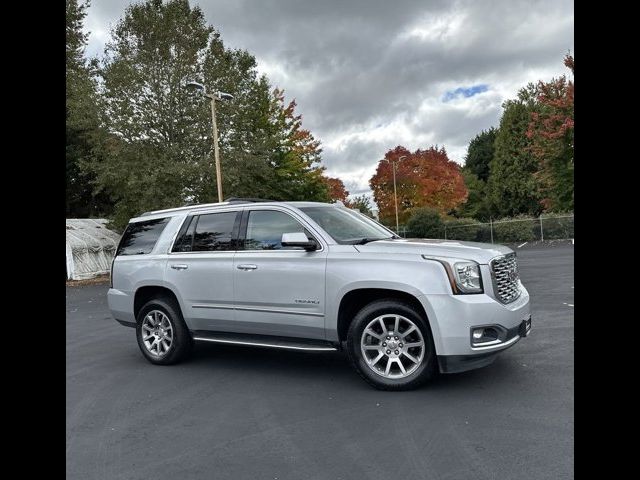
464	275
467	276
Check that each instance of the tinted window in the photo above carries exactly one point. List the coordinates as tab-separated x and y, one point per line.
185	236
265	229
141	237
214	232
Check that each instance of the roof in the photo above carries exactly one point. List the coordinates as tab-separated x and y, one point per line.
90	234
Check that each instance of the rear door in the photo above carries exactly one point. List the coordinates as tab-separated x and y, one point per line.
200	268
278	290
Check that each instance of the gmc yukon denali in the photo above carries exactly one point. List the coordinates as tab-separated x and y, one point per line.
315	277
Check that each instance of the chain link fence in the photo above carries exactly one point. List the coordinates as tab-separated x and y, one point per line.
551	227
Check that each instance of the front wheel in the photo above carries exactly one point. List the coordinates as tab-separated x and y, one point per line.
390	345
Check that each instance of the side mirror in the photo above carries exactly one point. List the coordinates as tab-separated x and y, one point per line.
298	239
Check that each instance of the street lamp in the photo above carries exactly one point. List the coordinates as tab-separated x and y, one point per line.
395	195
213	97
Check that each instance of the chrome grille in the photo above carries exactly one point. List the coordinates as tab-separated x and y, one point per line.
506	280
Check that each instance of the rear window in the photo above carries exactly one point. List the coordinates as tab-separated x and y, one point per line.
140	237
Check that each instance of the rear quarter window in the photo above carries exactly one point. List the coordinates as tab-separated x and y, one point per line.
140	237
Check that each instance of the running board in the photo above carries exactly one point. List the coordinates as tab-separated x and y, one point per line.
286	343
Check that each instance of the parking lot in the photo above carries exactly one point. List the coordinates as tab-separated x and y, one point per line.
247	413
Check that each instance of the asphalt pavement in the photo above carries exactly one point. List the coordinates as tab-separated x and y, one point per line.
249	413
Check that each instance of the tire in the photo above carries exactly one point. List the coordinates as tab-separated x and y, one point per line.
166	313
365	349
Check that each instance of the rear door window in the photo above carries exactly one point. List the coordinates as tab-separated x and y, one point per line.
140	237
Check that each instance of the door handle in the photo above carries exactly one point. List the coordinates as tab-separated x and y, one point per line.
247	267
179	266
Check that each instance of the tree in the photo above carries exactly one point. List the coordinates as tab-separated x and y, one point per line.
476	205
159	147
362	204
424	178
82	120
425	223
337	191
551	133
512	187
480	153
299	175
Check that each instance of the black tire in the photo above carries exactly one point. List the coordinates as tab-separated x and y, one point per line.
182	342
423	373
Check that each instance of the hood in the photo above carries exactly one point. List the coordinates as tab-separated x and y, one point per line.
479	252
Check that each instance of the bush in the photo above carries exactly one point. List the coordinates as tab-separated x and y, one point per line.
523	230
425	223
557	226
467	229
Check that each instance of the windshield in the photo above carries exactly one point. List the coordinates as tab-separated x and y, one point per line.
347	226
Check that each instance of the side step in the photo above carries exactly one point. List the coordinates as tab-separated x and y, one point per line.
287	343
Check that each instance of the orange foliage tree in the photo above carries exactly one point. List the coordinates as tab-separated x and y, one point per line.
424	178
336	189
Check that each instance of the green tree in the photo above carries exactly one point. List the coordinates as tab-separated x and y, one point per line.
476	205
480	153
362	203
82	120
425	222
159	146
512	187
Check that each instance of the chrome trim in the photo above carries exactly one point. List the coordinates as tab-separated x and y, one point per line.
258	309
270	345
498	346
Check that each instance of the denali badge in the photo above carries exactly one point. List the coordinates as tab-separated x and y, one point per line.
315	302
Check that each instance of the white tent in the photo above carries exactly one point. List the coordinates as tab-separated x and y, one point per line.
90	247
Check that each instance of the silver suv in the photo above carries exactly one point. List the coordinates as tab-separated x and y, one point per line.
315	277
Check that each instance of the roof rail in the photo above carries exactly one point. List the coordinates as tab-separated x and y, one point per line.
247	200
186	207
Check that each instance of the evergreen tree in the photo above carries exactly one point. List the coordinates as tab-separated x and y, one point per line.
512	187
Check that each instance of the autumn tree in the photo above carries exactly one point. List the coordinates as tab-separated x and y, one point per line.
424	178
551	133
298	173
337	190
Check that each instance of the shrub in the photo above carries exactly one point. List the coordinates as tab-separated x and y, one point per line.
425	223
522	230
467	229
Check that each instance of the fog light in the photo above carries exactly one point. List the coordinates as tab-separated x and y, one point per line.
477	333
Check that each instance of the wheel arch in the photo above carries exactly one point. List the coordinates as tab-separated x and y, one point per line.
147	292
354	300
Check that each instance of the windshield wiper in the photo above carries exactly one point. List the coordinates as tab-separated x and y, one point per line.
365	240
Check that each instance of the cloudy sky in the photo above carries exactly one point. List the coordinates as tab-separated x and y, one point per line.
369	75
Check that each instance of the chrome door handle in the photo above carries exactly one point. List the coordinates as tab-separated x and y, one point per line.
247	266
179	266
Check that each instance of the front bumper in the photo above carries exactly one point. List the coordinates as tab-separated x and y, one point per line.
453	318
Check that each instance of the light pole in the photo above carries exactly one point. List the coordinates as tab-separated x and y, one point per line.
395	194
213	97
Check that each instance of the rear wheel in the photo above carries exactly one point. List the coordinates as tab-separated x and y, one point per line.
390	345
162	335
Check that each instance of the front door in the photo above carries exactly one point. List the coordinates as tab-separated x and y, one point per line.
278	290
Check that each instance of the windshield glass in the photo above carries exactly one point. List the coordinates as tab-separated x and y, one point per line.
347	226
